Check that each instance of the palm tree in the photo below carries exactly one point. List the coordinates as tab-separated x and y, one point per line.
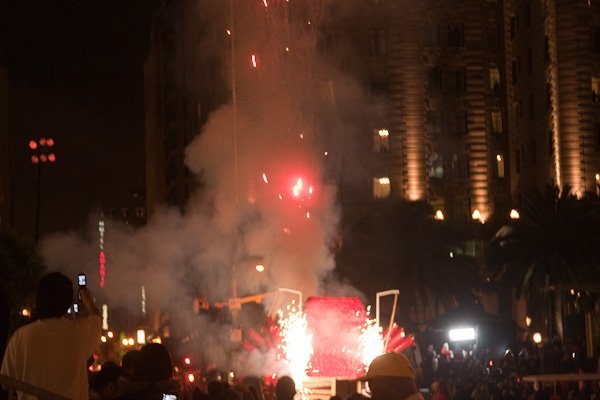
554	244
400	245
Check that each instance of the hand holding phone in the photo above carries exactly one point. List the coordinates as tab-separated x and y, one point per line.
81	280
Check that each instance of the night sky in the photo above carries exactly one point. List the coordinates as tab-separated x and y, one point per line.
76	74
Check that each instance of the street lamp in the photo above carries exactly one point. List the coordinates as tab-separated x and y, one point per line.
43	153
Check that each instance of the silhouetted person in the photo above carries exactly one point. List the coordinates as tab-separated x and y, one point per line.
285	388
104	384
392	377
51	352
153	376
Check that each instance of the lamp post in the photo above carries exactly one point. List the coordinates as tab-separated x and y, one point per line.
42	149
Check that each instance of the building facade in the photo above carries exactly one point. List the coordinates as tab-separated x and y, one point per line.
552	48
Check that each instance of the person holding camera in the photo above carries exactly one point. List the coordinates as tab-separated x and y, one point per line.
51	352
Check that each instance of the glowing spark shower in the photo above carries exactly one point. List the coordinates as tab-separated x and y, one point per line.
371	342
296	342
254	63
265	179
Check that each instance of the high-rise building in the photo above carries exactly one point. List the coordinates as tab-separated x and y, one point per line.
553	79
5	209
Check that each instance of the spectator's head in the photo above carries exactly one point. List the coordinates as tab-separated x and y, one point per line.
105	381
215	388
128	363
391	376
285	388
153	364
54	295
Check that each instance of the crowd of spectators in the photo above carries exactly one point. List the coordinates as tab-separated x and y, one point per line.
60	343
470	374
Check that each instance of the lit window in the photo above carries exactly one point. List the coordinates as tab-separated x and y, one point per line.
381	140
496	117
140	212
381	188
500	165
494	79
596	89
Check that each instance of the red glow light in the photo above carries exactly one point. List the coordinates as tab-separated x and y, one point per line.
43	158
335	324
191	378
35	159
51	157
33	144
187	361
49	142
102	261
42	141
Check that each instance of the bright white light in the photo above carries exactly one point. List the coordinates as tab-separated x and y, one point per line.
439	215
105	317
537	338
141	336
476	215
384	133
371	342
384	181
514	214
260	268
528	321
461	334
130	341
296	342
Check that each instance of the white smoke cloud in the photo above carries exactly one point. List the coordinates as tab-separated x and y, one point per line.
237	219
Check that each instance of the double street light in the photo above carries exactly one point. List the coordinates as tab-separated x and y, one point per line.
42	153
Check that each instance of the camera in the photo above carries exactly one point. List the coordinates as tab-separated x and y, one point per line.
81	280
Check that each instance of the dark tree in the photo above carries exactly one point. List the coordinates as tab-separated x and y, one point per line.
20	268
554	244
400	245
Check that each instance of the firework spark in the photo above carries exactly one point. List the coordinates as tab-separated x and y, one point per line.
296	342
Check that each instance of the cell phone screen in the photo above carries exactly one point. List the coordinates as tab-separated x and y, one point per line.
81	280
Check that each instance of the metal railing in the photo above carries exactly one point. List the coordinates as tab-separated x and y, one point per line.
13	385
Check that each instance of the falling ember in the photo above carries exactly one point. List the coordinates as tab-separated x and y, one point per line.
265	3
308	215
280	197
254	60
228	32
297	187
264	176
302	136
296	342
